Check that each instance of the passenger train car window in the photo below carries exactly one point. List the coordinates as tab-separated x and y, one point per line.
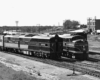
45	44
83	34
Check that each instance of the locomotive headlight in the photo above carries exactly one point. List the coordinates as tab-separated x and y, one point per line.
84	48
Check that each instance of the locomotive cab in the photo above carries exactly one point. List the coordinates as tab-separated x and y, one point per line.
81	46
76	45
56	47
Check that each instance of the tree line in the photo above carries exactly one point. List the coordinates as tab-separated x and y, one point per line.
72	24
68	24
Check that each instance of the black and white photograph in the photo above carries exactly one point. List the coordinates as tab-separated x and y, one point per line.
49	40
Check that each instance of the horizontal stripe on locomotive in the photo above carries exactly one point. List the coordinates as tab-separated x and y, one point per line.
11	45
1	40
8	38
23	46
16	39
73	51
1	36
39	44
68	47
24	42
27	43
39	40
25	39
76	52
38	48
1	43
16	42
41	51
13	41
71	48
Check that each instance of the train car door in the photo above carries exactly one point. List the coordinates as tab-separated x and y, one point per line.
56	47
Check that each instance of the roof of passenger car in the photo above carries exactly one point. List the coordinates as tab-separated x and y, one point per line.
41	37
14	36
33	37
66	36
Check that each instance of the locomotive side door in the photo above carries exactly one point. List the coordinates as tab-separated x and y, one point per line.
56	47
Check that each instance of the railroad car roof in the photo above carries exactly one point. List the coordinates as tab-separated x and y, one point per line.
46	35
33	37
66	36
79	31
15	36
41	37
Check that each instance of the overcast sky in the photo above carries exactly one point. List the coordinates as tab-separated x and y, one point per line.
47	12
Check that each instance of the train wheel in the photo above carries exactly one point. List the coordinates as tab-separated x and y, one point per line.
32	52
79	57
85	55
69	55
0	49
44	56
64	54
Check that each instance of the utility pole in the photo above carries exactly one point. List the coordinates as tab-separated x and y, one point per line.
16	24
74	60
38	28
88	24
95	24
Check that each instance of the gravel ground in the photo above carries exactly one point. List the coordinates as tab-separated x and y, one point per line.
7	73
17	67
94	42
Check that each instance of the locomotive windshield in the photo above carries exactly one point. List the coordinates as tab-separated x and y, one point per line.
78	38
83	34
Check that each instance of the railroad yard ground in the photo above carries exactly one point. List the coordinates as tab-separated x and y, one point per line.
17	68
94	43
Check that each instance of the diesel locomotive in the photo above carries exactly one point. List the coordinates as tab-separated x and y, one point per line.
40	46
74	45
47	45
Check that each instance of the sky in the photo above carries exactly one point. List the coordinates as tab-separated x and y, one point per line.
47	12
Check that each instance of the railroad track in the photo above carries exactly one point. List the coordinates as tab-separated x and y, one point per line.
71	64
91	69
